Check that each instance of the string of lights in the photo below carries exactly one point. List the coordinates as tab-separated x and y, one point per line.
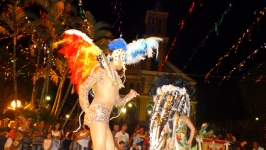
260	78
181	25
259	66
235	46
241	64
24	52
29	74
214	28
117	6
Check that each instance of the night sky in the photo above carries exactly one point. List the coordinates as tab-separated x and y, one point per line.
207	35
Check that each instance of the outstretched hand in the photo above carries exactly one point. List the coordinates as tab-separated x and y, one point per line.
133	93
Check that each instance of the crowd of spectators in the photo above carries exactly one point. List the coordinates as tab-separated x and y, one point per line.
238	144
27	134
138	140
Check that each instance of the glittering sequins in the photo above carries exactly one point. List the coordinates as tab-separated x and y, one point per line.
85	87
100	113
121	101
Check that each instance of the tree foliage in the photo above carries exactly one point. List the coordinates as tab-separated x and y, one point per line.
38	24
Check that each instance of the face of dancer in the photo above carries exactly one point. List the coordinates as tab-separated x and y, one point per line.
119	66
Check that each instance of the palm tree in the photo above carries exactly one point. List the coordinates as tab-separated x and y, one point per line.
54	19
14	25
49	26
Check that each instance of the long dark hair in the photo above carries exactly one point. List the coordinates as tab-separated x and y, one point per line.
160	81
56	124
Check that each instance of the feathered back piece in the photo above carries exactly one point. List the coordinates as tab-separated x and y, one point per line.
139	49
135	51
81	54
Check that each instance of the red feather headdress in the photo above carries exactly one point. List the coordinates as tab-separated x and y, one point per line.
81	55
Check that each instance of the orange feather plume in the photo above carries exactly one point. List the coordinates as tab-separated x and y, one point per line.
81	55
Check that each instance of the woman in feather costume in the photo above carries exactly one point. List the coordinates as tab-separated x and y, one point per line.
91	69
170	116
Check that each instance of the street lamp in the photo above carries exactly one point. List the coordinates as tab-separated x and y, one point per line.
48	98
124	110
15	104
67	116
149	112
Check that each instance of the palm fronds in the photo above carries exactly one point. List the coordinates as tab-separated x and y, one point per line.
101	25
90	17
42	74
103	34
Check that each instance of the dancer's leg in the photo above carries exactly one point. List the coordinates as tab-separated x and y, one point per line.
110	145
99	135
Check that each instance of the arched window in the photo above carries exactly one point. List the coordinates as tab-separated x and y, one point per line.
149	108
149	112
131	111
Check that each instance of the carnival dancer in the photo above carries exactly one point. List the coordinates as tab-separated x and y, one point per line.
169	119
91	70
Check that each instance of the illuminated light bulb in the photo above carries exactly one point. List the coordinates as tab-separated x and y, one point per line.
16	103
124	110
149	111
48	98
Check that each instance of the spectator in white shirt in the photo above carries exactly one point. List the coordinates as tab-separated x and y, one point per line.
122	135
48	142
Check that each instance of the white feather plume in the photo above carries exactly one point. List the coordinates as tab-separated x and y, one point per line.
139	49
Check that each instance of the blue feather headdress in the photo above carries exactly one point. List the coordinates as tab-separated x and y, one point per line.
117	48
134	52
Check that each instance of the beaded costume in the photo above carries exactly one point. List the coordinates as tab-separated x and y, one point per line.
167	129
89	67
178	137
